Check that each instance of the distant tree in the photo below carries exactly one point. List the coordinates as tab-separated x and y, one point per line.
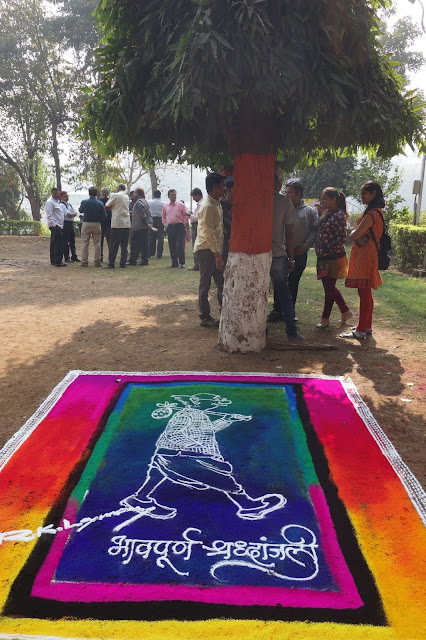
74	25
89	167
10	193
397	41
382	171
218	82
22	143
331	174
40	75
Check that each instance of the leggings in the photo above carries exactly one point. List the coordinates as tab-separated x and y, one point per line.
332	295
366	304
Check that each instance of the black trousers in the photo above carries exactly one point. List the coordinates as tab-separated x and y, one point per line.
118	238
293	280
69	240
156	240
56	245
139	245
106	232
176	236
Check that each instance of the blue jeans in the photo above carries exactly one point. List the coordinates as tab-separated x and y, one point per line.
279	275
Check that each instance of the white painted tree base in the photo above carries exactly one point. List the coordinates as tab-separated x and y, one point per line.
245	298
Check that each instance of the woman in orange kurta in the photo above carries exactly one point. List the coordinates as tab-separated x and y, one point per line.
363	271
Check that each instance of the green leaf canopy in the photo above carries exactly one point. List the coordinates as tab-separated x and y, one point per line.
204	80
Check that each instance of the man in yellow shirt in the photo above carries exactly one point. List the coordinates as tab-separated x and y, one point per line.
208	247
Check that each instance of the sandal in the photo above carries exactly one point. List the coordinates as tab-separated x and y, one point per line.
354	334
321	325
347	316
368	332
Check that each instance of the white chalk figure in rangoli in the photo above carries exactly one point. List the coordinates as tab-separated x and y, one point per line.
188	454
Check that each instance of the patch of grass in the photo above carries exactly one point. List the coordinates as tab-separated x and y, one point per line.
399	303
157	272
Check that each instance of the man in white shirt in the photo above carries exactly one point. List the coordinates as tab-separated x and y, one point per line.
197	196
118	205
68	230
55	222
156	238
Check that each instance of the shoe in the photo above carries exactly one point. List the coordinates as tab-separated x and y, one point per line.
354	334
143	264
368	332
122	266
84	264
193	268
67	259
173	266
109	266
296	338
75	259
61	264
274	316
97	264
346	316
181	266
209	322
269	502
322	325
131	264
149	507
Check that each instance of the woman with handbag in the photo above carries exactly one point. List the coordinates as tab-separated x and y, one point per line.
363	271
332	261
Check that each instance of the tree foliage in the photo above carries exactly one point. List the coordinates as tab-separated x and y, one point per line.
39	86
332	173
198	78
397	41
74	26
382	171
10	193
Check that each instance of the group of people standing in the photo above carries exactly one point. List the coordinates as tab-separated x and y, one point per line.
297	227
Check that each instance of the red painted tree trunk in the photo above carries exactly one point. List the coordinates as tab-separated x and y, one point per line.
243	319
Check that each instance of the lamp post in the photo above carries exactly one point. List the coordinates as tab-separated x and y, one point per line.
422	173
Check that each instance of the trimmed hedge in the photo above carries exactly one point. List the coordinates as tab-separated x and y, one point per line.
22	228
409	244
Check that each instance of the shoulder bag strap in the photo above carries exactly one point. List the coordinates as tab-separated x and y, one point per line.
371	229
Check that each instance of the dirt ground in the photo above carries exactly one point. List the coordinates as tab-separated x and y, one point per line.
55	320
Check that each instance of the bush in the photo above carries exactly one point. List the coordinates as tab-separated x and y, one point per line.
22	228
409	244
402	216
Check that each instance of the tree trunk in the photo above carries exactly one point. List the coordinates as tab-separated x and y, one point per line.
243	319
55	154
154	181
34	203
